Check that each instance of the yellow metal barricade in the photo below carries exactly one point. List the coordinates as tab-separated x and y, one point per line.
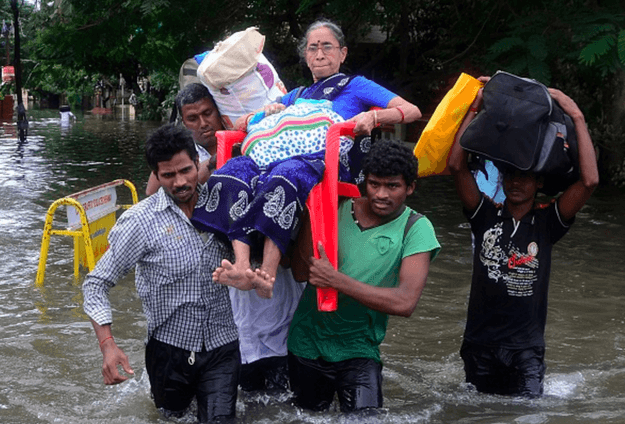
91	214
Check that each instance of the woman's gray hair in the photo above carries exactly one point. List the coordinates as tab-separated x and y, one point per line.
336	31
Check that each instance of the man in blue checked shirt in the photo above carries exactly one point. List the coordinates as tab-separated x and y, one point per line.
193	348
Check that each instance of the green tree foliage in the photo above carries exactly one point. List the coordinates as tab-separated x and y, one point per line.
603	41
75	83
576	45
423	37
131	37
537	39
134	38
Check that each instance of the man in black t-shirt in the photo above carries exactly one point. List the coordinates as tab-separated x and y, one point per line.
504	346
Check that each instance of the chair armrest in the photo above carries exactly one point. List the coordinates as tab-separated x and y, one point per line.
225	141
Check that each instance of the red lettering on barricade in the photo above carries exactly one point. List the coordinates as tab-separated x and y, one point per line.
102	200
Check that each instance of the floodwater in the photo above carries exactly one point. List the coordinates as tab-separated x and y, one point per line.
50	360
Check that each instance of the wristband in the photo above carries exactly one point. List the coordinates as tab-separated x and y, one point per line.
105	339
402	114
375	118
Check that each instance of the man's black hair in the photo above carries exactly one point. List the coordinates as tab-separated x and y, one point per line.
388	158
165	142
192	93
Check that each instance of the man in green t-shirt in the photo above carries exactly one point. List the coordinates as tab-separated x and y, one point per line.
384	254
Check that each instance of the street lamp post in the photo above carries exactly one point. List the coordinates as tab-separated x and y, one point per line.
22	122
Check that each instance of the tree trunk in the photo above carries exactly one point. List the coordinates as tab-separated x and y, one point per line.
612	160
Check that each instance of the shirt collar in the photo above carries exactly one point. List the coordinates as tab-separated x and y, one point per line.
163	201
505	213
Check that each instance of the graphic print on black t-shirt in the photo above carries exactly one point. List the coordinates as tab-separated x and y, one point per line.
515	267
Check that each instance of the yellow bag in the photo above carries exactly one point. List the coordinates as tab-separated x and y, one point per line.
436	140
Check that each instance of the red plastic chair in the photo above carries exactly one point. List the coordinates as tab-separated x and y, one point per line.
322	201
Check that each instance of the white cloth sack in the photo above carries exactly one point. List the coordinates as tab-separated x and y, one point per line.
239	76
231	58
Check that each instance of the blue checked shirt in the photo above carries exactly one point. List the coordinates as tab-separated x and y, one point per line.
173	274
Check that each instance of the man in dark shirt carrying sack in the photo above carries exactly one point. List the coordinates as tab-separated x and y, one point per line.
504	345
193	348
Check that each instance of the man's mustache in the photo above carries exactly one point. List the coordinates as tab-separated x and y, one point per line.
180	189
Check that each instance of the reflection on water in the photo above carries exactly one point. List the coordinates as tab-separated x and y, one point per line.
51	361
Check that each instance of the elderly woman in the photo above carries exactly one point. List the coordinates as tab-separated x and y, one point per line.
245	200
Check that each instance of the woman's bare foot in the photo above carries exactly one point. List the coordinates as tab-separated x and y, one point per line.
262	282
233	275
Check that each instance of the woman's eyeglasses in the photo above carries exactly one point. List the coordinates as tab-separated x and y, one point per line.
326	48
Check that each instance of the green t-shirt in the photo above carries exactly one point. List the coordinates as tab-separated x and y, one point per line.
372	256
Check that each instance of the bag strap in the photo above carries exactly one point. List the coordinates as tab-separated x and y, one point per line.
414	217
296	96
298	93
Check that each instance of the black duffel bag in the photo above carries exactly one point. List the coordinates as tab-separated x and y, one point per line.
521	126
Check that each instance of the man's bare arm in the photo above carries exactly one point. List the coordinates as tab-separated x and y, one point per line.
401	300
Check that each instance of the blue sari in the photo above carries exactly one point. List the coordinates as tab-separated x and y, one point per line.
242	202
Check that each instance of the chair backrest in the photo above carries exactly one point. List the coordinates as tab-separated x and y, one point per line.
322	202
